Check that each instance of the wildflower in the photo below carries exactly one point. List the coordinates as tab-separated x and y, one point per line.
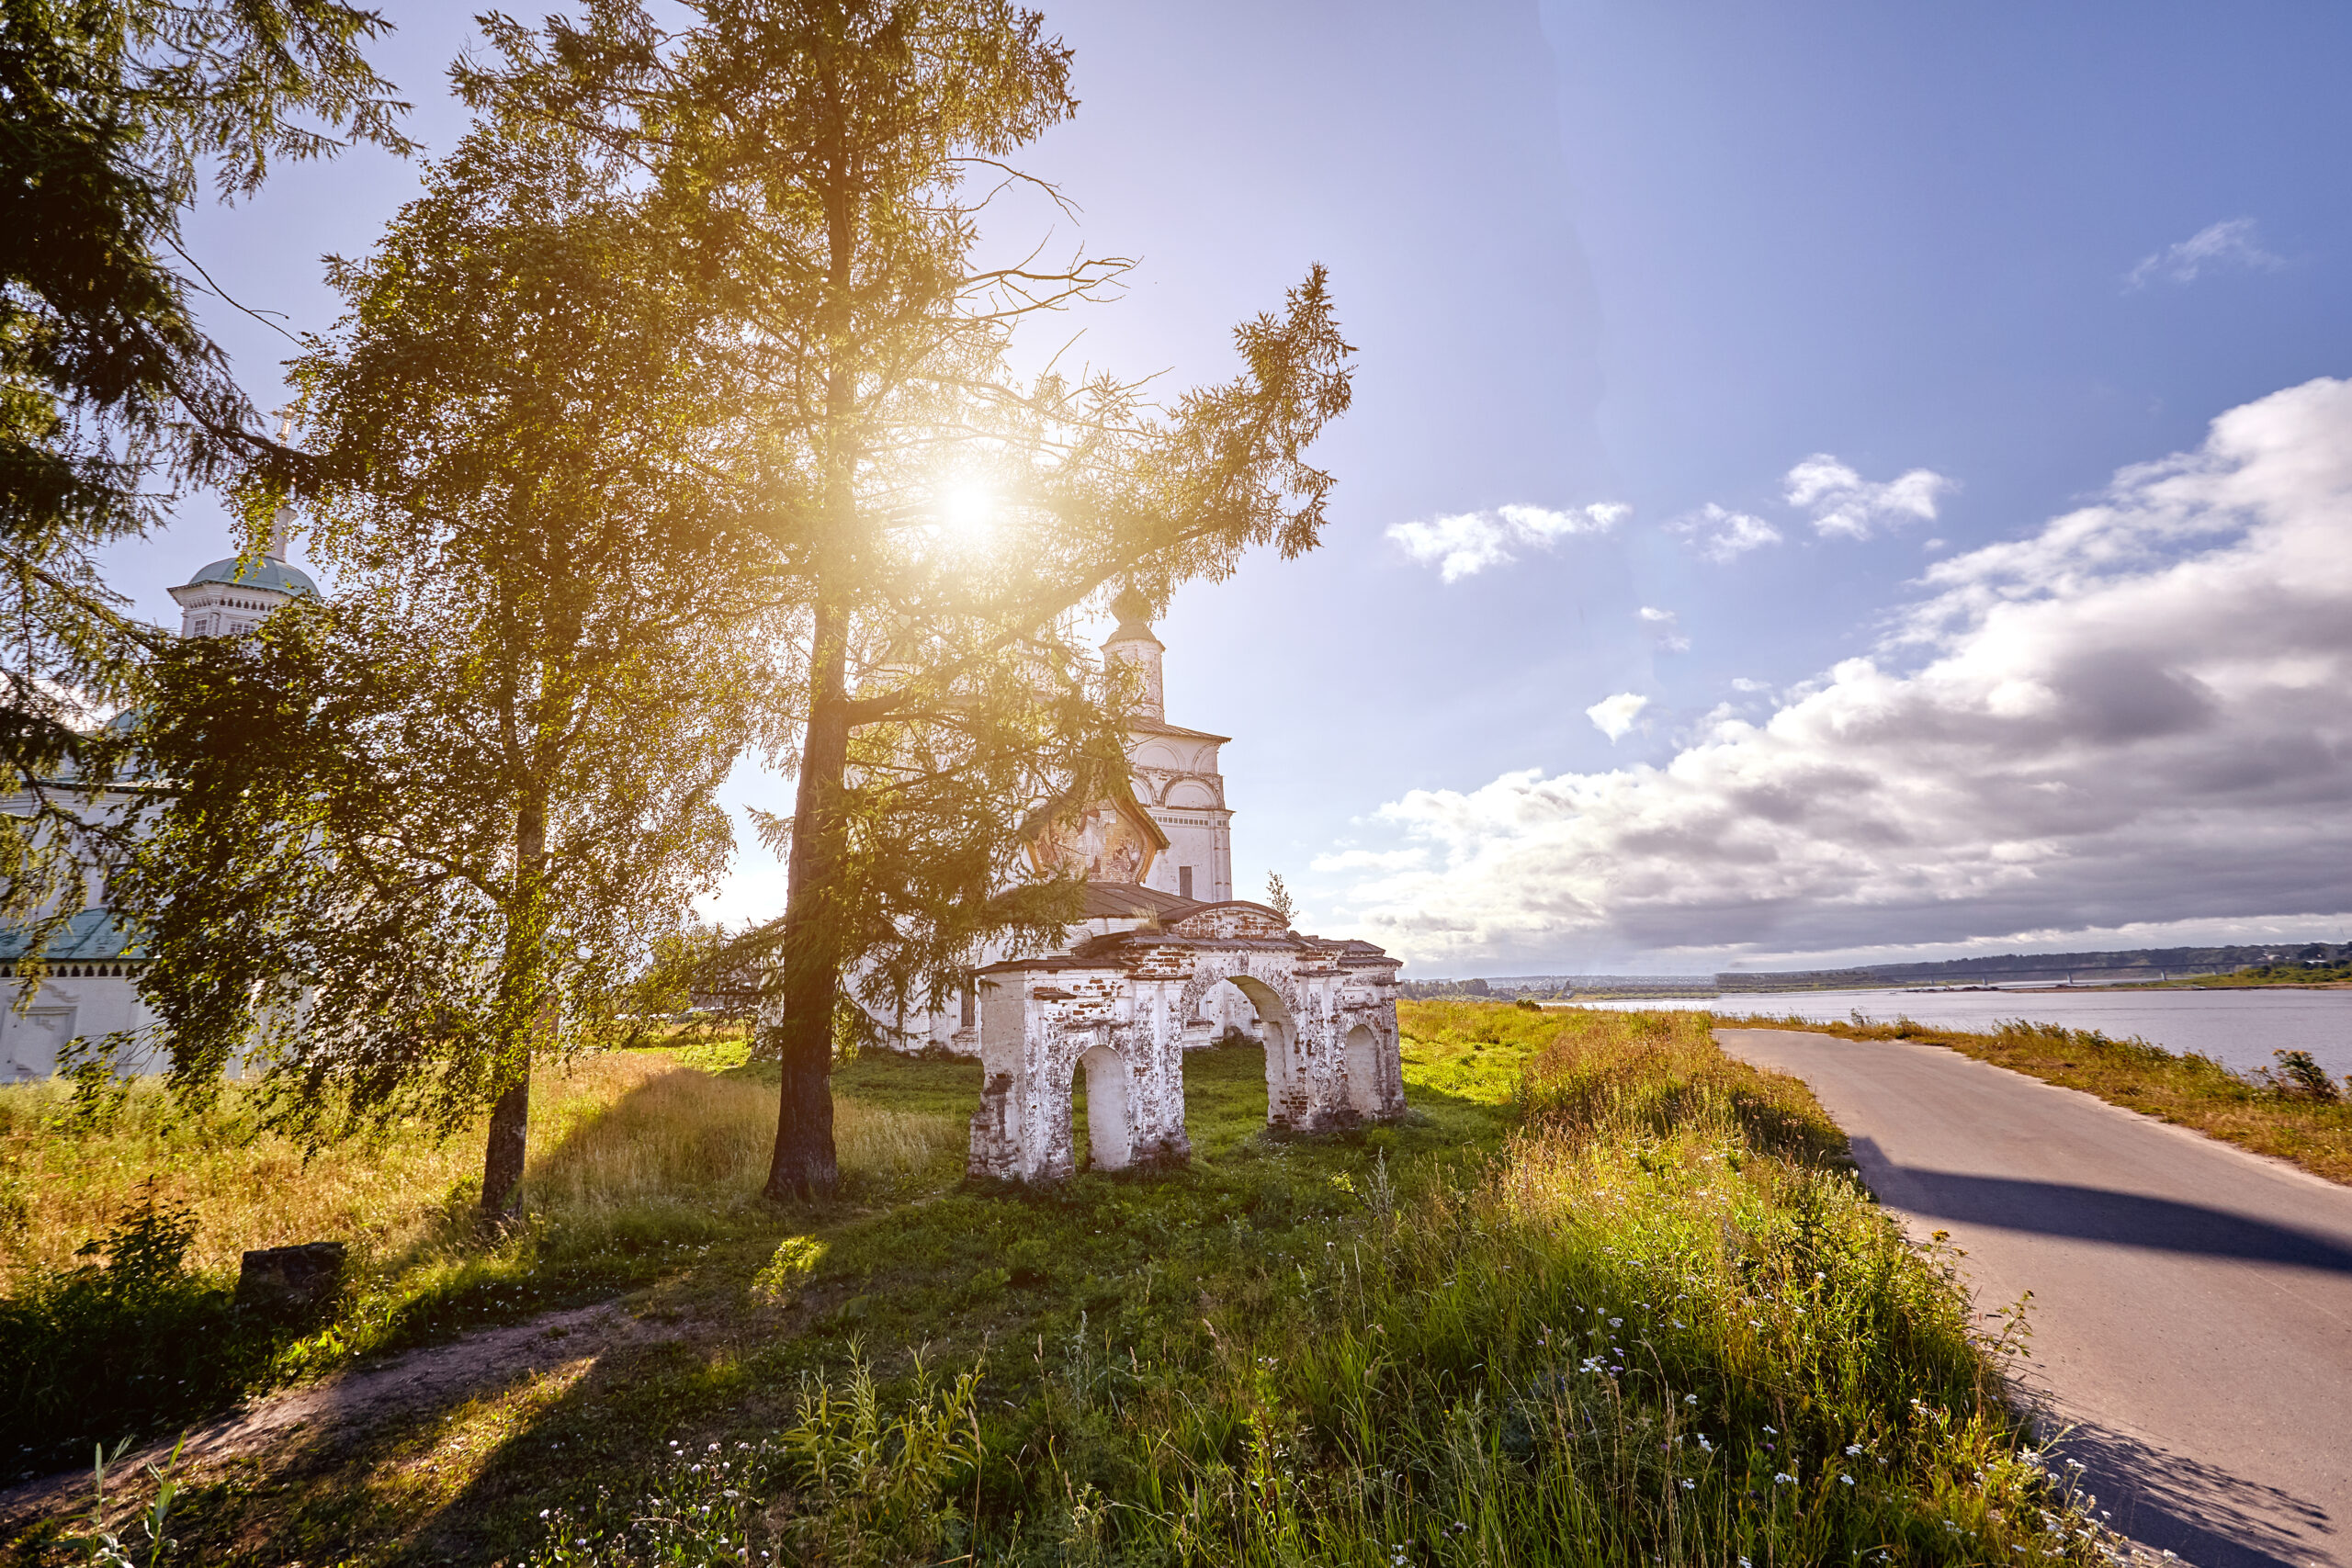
1774	1430
1689	1485
1616	1323
1782	1478
1690	1399
1853	1449
1846	1480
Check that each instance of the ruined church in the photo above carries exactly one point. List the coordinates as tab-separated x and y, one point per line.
1165	960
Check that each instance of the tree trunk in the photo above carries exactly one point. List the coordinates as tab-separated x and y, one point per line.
804	1164
523	1013
502	1166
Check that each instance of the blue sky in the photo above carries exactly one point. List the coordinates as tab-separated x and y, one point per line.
1612	265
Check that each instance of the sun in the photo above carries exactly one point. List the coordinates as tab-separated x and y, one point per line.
965	510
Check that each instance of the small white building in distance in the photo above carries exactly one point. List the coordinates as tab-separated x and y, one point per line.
89	972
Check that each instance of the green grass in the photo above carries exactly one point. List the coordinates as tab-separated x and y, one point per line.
2275	974
2292	1112
641	1162
1599	1260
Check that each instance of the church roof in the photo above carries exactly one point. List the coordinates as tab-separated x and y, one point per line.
92	934
268	573
1143	726
1128	900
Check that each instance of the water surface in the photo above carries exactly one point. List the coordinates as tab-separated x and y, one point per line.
2239	1029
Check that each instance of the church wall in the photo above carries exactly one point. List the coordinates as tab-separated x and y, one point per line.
87	1005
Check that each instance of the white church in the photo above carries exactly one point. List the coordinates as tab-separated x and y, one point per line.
1159	864
88	972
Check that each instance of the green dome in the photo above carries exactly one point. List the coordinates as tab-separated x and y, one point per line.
268	573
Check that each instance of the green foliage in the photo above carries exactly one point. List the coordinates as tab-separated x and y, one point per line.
131	1344
439	825
2300	1076
814	158
113	403
105	1548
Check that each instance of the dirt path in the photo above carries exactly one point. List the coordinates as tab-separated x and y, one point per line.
363	1397
2192	1302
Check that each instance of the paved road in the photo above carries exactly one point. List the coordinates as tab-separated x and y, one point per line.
2193	1303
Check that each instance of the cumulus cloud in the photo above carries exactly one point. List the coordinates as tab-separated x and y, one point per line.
1614	715
1846	506
1724	534
2216	248
2134	714
1370	860
1670	632
1469	542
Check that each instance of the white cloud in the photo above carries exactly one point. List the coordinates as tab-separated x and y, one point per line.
1370	859
2134	714
1724	534
1614	715
1468	543
1742	683
1669	634
1848	506
2233	244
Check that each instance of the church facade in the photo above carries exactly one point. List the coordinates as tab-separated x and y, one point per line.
88	972
1165	961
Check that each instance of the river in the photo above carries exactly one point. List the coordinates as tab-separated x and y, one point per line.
2238	1029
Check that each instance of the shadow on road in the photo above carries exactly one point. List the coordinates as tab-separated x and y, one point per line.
2210	1516
2095	1214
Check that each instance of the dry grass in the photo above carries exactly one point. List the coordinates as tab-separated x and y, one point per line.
611	1135
2188	1090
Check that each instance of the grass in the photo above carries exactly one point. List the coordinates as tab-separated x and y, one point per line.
2292	1112
1606	1296
2329	975
637	1157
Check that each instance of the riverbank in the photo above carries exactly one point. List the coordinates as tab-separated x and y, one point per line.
2303	1117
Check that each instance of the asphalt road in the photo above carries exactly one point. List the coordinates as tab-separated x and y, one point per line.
2193	1303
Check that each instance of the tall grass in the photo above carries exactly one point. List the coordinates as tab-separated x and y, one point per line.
1665	1326
634	1158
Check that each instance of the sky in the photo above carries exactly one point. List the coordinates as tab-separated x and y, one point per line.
1827	482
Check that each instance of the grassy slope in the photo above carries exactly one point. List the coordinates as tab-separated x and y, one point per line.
2187	1089
1509	1330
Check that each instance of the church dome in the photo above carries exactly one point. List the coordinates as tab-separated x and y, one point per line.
269	573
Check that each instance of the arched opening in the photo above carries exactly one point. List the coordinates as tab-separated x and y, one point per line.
1280	1033
1110	1132
1362	1060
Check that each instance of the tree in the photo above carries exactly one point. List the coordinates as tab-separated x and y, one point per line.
426	834
112	399
817	151
1278	898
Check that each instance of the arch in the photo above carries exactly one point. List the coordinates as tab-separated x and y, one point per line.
1361	1057
1190	795
1110	1129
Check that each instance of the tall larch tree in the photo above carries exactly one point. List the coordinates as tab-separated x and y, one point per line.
824	157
